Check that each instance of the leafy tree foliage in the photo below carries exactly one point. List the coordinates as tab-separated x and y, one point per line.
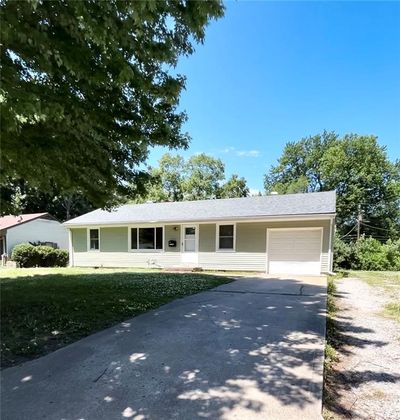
367	254
357	167
203	175
18	197
167	179
87	88
197	178
234	187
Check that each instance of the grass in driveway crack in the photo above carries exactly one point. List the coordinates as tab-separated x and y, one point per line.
331	355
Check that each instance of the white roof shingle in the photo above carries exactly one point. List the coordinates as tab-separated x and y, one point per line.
320	203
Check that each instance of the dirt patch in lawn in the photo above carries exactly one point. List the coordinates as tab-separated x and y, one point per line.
365	381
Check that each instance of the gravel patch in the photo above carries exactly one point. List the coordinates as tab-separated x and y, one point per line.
367	377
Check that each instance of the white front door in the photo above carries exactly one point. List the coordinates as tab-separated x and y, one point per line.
190	244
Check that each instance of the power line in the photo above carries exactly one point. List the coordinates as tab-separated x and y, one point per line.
348	233
375	227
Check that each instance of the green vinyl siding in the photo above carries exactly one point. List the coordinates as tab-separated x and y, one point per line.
172	232
252	237
79	240
207	237
114	239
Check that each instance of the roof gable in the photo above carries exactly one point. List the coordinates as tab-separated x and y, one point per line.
229	209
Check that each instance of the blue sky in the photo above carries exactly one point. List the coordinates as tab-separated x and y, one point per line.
273	72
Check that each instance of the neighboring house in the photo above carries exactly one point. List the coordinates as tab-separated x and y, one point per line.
36	227
277	234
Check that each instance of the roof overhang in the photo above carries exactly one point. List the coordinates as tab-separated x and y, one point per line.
242	219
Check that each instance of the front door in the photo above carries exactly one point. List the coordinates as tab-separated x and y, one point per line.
189	244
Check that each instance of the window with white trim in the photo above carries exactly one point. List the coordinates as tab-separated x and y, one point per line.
94	239
226	237
147	238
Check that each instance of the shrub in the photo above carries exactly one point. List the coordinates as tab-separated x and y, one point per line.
392	252
343	255
25	255
367	254
62	257
28	255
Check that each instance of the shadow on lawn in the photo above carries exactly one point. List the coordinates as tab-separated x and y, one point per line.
43	312
213	355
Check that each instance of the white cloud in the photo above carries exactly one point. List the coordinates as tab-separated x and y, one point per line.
248	153
242	153
227	149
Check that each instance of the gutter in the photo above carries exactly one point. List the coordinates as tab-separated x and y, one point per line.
312	216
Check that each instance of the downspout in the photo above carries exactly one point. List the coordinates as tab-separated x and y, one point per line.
70	249
332	233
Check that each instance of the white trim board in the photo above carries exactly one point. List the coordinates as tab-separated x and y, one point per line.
88	229
244	219
217	249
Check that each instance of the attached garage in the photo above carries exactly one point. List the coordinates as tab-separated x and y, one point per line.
277	234
294	251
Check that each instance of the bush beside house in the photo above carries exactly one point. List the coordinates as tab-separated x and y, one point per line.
28	255
367	254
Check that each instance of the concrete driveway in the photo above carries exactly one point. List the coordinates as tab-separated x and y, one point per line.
251	349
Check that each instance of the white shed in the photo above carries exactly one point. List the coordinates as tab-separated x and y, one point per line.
36	227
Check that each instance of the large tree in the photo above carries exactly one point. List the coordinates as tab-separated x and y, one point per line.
203	177
166	182
357	167
234	187
199	177
88	86
25	199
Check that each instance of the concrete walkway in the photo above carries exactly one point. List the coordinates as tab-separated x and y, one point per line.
251	349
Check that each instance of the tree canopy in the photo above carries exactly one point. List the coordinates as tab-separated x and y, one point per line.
357	167
197	178
234	187
203	176
88	86
22	198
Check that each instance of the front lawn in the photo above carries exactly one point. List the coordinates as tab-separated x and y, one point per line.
44	309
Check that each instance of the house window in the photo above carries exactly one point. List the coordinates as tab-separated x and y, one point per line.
149	238
94	239
226	237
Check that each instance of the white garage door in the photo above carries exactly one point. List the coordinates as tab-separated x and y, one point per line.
294	251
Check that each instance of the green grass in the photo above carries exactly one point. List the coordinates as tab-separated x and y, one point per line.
44	309
330	352
387	279
393	310
389	282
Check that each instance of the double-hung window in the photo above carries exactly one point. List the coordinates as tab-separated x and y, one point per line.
147	238
226	237
94	239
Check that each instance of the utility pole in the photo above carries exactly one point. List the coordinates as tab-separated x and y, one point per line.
359	220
